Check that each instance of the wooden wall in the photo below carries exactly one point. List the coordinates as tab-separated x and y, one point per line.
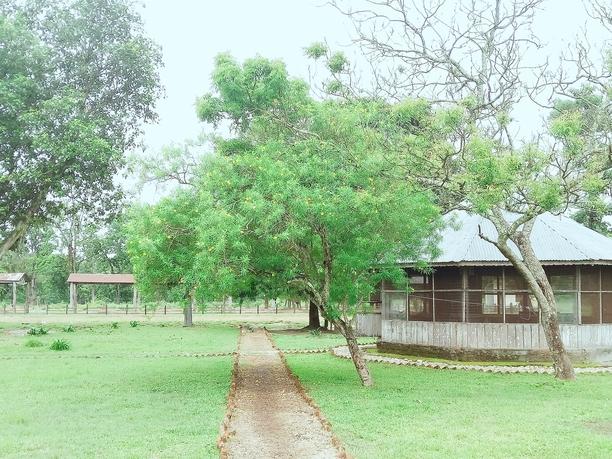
368	324
492	336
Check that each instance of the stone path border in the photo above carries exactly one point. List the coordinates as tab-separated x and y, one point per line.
224	431
343	352
66	355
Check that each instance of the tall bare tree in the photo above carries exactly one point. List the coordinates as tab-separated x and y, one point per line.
482	57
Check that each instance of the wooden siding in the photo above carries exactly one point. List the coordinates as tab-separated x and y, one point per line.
491	335
368	324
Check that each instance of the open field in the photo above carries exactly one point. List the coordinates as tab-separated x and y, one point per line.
110	396
416	412
288	318
140	392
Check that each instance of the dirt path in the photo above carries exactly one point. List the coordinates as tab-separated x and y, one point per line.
270	418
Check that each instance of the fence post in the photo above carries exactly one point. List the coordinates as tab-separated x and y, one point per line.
145	309
165	305
127	305
47	308
66	309
106	308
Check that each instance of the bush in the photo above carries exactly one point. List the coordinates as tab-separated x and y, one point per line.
37	331
114	325
69	329
315	332
133	323
33	343
60	345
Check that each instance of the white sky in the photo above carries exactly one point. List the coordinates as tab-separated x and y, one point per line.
192	32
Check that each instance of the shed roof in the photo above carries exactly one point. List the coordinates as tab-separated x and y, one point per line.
9	278
555	239
95	278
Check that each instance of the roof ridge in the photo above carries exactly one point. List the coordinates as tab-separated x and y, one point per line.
587	257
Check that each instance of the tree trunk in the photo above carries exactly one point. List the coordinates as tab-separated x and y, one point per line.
356	353
548	305
314	322
531	269
188	314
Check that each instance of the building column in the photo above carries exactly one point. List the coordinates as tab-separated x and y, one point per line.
135	297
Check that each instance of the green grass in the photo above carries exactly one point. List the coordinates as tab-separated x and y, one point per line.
105	398
145	339
299	339
417	412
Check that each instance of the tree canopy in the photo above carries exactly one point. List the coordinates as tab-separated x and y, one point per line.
77	80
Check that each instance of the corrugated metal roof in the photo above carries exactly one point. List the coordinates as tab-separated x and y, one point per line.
555	239
89	278
9	278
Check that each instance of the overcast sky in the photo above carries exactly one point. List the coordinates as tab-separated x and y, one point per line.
192	32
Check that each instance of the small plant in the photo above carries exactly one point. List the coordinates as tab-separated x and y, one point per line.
316	332
69	329
114	325
37	331
60	345
133	323
33	343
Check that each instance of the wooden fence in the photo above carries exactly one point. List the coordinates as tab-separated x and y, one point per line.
368	324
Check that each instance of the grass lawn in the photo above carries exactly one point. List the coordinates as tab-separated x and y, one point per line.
417	412
106	398
299	339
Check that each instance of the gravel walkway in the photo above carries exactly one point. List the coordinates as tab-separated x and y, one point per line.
343	352
270	417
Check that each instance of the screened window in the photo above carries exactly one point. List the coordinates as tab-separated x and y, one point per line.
420	306
567	307
448	279
606	307
520	308
589	279
589	308
449	306
395	305
484	306
562	278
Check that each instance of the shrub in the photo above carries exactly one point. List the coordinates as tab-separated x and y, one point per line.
33	343
60	345
315	332
69	329
133	323
114	325
37	331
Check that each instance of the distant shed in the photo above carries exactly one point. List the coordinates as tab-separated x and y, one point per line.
75	279
13	279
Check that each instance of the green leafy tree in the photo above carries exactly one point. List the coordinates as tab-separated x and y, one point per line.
77	79
162	245
307	185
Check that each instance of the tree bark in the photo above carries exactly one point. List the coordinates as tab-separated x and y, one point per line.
356	352
188	313
314	322
531	269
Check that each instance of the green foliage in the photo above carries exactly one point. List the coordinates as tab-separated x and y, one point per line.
69	329
60	345
33	343
134	323
316	50
68	114
37	331
114	325
315	332
337	62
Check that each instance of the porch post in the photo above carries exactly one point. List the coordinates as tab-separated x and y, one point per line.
14	302
464	293
73	296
